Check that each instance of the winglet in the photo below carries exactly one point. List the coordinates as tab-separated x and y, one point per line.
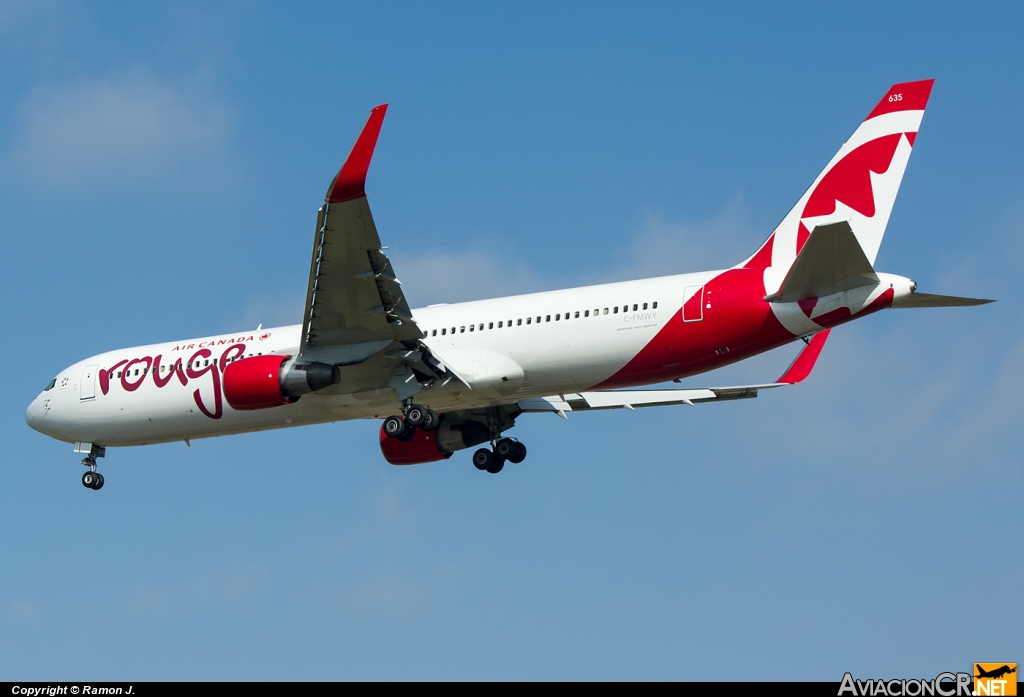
350	183
804	362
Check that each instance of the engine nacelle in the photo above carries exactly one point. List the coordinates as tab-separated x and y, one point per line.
261	382
431	446
422	447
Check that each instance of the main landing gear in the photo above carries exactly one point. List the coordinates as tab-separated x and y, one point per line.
404	427
92	479
493	460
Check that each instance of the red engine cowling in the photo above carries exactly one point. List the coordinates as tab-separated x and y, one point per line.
422	448
255	383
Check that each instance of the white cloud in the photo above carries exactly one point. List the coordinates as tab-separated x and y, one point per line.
24	610
659	247
663	247
73	135
449	277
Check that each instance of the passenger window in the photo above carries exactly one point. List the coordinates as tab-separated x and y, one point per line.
635	307
519	322
481	326
119	373
499	325
655	306
645	306
586	313
462	329
558	317
546	320
606	310
443	332
510	323
490	325
529	320
615	310
471	327
538	318
577	315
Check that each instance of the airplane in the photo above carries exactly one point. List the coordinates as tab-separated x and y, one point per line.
450	377
995	673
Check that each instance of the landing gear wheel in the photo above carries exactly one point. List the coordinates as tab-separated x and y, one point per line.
483	459
394	426
505	448
433	420
99	482
416	416
89	479
518	454
496	465
408	435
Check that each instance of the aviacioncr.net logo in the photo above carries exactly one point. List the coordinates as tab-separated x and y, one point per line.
943	685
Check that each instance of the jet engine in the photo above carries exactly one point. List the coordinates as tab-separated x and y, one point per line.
261	382
430	446
420	447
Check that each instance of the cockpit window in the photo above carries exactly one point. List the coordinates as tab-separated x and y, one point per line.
50	386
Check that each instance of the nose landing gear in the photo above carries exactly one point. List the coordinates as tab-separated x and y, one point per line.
91	479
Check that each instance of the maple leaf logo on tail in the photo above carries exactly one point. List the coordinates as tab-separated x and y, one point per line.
858	186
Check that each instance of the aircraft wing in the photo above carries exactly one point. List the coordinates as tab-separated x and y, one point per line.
631	399
355	306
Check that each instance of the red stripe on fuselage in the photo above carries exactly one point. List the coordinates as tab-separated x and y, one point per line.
736	318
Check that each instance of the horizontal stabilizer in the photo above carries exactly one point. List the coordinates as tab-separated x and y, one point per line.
831	261
929	300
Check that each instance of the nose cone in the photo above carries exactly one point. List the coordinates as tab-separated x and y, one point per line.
38	415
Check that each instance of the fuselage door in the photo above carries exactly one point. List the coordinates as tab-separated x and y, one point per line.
88	384
693	304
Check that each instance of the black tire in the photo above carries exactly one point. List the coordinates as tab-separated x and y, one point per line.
409	434
99	482
483	459
497	465
505	448
394	426
416	416
89	479
433	420
519	453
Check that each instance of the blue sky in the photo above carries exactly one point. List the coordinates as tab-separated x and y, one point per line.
160	169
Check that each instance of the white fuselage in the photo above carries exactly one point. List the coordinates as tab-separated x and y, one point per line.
562	341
